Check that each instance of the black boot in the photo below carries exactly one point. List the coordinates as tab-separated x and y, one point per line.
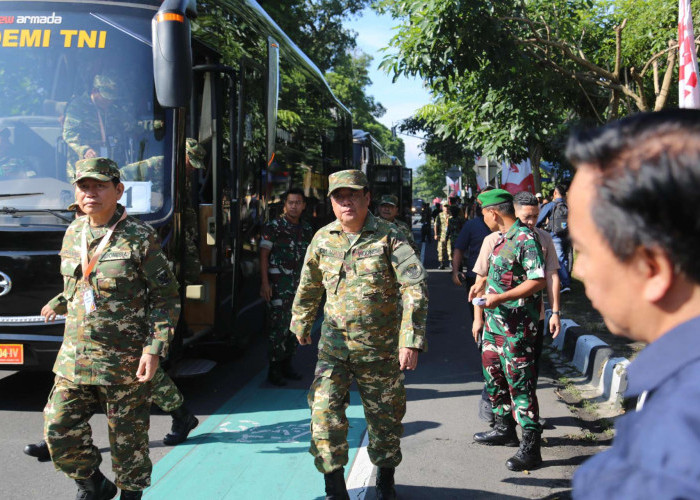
183	423
335	485
40	451
502	434
528	456
486	409
385	484
96	487
274	375
130	495
288	370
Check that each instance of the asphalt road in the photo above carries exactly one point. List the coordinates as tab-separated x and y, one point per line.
440	459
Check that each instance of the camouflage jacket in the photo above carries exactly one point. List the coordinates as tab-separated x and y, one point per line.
441	223
361	281
516	258
407	232
454	226
136	299
287	243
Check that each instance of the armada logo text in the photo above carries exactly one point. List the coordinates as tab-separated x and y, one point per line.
52	19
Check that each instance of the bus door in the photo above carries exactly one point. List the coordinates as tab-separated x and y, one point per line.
383	179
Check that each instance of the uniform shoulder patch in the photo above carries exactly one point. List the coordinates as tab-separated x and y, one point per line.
413	271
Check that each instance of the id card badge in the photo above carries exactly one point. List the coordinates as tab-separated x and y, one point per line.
88	300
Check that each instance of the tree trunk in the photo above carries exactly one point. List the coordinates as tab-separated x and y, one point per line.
534	150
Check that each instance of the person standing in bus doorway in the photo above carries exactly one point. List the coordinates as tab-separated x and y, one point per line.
96	123
122	306
388	210
283	244
366	268
194	160
441	226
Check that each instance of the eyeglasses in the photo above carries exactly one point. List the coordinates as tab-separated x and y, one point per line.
353	197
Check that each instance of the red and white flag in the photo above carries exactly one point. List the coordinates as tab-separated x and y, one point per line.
688	91
516	178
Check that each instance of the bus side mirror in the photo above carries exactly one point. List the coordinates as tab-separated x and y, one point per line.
273	92
172	56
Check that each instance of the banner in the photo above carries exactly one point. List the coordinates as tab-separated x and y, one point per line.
518	177
454	187
688	91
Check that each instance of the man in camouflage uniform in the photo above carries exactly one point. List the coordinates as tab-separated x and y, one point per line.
282	248
512	306
441	226
454	226
388	210
122	306
362	263
96	124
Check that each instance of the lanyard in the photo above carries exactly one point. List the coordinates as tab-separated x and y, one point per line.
88	267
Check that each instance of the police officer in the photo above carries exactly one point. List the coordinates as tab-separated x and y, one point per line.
515	276
362	263
122	306
388	210
441	226
282	248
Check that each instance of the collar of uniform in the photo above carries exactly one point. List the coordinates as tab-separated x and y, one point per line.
661	359
369	226
513	229
99	231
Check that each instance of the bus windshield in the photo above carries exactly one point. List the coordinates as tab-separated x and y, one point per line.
77	82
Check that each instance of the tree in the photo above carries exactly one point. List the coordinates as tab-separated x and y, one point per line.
430	179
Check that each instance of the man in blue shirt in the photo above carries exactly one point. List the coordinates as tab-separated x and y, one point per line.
561	240
634	221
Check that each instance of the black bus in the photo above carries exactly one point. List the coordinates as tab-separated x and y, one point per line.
257	104
385	173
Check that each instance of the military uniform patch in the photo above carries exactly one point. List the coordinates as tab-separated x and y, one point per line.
413	271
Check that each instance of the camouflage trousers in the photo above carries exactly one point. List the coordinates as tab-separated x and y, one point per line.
510	374
383	399
69	436
164	393
444	247
282	344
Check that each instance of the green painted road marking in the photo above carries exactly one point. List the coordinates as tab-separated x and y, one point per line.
254	447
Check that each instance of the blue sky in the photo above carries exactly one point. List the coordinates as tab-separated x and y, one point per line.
400	99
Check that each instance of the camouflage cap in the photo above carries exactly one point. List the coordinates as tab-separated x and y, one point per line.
102	169
494	197
195	153
106	85
353	179
73	207
389	199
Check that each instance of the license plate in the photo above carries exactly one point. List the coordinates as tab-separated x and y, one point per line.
11	354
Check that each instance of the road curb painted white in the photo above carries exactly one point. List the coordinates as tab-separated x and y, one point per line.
360	472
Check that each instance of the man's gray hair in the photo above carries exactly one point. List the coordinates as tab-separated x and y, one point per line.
525	199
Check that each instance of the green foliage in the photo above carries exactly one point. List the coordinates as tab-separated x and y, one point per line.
429	179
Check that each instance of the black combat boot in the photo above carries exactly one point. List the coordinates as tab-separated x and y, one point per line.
502	434
130	495
335	485
274	375
96	487
40	451
288	370
385	483
528	456
183	423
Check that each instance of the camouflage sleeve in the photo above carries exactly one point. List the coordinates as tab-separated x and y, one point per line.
59	304
309	294
412	279
71	129
163	299
532	259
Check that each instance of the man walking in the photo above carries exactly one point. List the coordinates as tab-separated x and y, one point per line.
389	210
365	266
554	217
282	249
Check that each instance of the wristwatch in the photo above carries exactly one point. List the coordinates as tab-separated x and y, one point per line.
558	313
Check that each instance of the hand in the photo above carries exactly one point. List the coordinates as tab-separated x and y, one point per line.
408	358
476	290
477	328
457	278
266	291
48	313
304	340
493	300
554	325
90	153
148	364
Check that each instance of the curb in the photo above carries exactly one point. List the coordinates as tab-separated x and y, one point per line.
593	359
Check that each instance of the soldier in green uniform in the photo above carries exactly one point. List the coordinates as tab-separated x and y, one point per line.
512	307
283	244
96	123
388	210
441	226
122	306
454	226
365	266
